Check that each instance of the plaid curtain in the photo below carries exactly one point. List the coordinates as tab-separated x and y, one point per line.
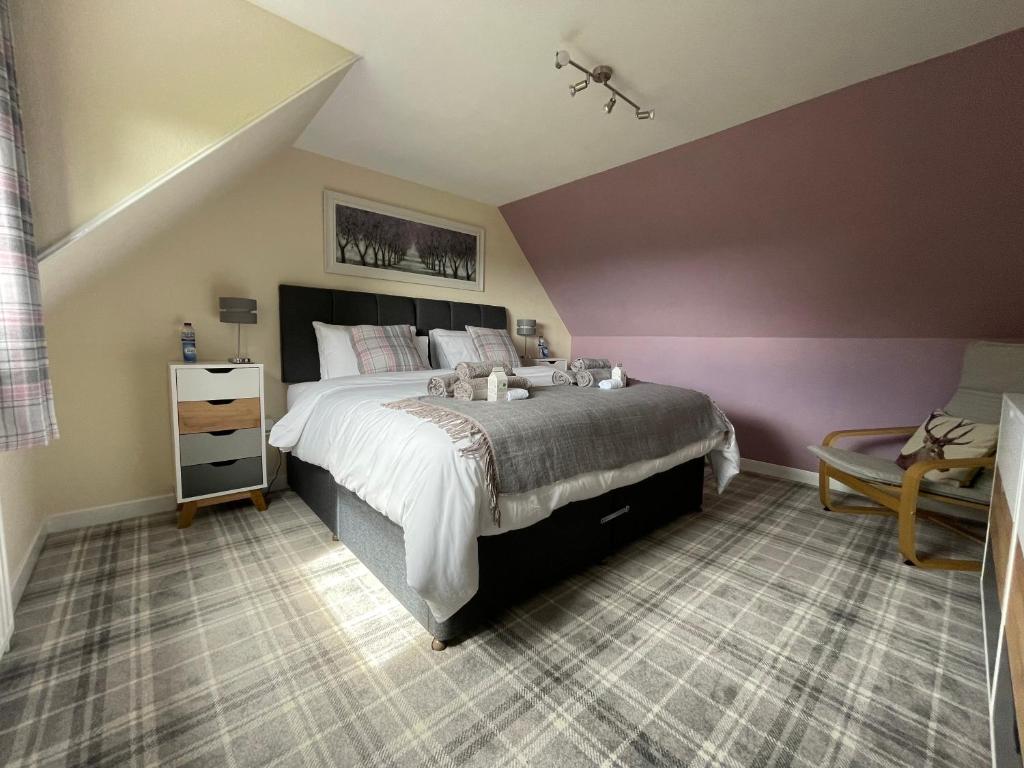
26	399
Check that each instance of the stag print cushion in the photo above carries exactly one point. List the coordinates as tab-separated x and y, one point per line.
494	344
948	437
385	349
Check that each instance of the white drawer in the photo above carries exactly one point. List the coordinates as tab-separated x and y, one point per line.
218	383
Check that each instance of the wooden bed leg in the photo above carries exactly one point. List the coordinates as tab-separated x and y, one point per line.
438	645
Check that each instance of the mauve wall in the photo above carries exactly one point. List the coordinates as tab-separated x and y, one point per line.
816	268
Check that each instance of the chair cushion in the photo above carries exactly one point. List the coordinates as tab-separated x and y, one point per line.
876	469
990	368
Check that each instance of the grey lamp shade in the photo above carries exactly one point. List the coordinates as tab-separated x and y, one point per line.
526	327
235	310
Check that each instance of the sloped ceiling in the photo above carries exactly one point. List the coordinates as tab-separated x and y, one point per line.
101	245
118	93
462	95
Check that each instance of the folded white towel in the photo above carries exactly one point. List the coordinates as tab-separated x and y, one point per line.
610	384
517	394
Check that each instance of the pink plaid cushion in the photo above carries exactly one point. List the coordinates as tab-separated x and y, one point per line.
385	349
494	344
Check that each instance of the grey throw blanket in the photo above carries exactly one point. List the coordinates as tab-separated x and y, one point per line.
562	432
585	363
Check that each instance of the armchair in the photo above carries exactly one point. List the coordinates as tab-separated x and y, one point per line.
989	370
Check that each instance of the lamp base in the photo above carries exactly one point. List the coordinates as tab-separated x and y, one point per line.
239	360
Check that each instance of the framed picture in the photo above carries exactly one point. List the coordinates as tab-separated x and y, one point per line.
368	239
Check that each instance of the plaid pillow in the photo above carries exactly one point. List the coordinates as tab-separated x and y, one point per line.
494	344
385	349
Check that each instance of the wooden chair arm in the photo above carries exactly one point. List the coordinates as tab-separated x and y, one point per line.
919	469
832	437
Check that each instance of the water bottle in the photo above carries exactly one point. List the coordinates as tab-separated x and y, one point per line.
188	343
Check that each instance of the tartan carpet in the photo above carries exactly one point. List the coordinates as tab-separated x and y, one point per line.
760	632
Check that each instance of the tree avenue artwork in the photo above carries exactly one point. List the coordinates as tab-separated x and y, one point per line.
401	245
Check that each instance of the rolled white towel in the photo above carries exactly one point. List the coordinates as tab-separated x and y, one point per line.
517	394
610	384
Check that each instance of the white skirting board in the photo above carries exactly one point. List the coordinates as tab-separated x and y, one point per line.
803	476
109	513
22	572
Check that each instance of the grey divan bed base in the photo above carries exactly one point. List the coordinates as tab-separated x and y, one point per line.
513	565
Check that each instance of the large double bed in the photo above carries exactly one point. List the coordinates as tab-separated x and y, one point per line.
397	491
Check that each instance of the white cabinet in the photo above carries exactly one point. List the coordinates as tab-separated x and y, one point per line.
1002	589
217	420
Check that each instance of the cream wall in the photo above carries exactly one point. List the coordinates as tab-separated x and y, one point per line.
118	92
111	337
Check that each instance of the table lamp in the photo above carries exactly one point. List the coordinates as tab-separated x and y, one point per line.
241	312
526	328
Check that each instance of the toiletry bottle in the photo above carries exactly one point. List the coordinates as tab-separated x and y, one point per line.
497	385
542	347
188	343
619	374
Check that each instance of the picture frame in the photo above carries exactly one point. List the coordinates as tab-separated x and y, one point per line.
364	238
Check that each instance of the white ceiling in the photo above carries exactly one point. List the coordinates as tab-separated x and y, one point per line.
462	95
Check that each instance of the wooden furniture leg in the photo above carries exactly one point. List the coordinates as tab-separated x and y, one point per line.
186	512
438	645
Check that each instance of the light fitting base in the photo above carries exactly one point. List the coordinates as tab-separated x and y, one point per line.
602	73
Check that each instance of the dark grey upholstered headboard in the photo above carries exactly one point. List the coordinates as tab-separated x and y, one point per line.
300	306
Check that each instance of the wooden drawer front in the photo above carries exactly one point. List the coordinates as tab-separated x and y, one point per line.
223	477
203	416
206	447
218	383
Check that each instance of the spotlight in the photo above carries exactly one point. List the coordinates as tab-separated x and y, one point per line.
577	87
645	114
561	59
610	105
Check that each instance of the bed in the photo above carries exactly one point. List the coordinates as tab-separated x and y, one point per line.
413	516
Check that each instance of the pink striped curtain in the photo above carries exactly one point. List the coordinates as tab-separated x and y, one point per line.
26	399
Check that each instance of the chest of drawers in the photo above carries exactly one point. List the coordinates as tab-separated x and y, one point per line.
217	423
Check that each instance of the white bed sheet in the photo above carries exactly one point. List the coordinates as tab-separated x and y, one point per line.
410	471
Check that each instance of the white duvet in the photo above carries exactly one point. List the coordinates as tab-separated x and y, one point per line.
410	471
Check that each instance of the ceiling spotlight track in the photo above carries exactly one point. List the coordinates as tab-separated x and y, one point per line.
601	74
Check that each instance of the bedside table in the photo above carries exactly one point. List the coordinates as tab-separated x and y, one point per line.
219	450
561	363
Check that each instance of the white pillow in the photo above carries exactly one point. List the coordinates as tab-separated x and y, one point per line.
338	356
449	348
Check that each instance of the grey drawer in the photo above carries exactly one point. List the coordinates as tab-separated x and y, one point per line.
224	477
207	447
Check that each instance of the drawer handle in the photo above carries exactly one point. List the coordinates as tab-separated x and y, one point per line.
223	432
221	402
613	515
226	463
218	370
